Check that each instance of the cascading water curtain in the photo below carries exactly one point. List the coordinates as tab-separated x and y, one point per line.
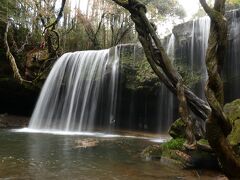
165	115
71	95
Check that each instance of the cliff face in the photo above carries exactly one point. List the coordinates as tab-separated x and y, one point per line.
190	49
155	108
16	99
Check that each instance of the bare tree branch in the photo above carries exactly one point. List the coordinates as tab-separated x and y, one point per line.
11	59
59	16
19	50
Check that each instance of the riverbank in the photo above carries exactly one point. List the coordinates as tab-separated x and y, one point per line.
13	121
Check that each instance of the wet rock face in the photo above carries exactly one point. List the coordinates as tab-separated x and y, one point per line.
9	121
15	98
232	110
188	50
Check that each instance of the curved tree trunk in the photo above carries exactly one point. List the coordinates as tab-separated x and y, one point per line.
217	125
158	58
186	117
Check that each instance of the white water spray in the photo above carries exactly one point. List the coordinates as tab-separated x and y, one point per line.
70	97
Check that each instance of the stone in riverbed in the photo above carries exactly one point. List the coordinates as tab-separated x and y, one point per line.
153	152
86	143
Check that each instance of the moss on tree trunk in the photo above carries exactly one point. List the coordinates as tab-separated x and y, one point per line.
218	126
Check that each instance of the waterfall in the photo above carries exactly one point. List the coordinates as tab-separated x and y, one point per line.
199	44
192	45
193	52
231	66
79	86
165	104
82	92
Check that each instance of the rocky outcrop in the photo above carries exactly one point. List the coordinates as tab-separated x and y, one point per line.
232	110
17	99
178	129
10	121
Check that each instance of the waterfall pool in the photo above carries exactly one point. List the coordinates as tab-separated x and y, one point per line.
49	156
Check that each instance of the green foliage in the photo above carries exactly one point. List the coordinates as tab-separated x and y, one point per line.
7	8
145	77
138	73
162	8
174	144
232	4
189	77
203	142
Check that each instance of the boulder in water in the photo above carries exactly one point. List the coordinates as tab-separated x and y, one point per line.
153	152
86	143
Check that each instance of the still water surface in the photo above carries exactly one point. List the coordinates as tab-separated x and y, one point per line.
49	156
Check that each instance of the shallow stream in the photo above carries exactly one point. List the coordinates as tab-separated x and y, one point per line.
50	156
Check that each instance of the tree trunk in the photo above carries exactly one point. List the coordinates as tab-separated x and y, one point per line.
218	126
11	59
158	58
186	117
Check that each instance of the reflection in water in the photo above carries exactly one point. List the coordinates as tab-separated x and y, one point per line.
45	156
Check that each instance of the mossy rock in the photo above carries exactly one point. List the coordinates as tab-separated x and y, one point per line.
153	152
177	129
170	147
203	142
174	149
174	144
232	110
234	136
